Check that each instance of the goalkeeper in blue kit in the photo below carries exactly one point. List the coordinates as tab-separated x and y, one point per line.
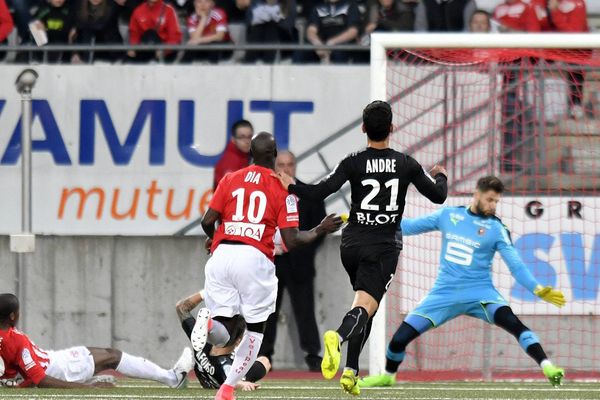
470	237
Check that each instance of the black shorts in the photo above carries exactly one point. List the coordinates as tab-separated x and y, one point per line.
371	268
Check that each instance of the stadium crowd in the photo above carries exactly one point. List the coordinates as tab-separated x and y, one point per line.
205	22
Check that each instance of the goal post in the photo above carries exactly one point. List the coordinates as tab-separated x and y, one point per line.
524	107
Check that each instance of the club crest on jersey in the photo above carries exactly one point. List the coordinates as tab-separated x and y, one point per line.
244	229
481	232
456	218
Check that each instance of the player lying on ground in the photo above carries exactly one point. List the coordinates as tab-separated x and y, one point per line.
24	364
470	238
240	275
379	177
213	362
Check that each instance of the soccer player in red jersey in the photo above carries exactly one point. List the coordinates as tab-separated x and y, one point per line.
23	364
240	276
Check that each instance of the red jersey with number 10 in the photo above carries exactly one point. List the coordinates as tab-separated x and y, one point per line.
252	204
21	362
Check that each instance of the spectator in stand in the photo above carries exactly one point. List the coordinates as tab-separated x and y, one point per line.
514	16
22	17
480	22
295	272
390	16
305	7
541	13
269	22
97	22
517	16
235	9
126	8
57	19
207	25
443	15
568	15
154	22
571	16
237	153
386	16
331	23
6	26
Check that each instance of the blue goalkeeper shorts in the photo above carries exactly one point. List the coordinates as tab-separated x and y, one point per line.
440	306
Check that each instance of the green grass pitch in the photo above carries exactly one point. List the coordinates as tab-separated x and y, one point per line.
322	390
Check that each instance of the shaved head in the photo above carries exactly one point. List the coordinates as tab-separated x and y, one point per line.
264	149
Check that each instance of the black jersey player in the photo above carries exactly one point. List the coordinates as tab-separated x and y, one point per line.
379	177
212	363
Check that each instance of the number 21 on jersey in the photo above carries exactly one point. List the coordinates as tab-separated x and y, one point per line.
375	188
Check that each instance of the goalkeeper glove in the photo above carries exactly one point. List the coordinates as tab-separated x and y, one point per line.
551	295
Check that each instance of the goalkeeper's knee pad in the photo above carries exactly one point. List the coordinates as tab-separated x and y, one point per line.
390	355
527	338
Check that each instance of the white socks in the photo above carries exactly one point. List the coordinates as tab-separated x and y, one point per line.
245	356
138	367
545	362
218	334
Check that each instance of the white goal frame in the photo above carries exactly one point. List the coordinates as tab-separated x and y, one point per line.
381	42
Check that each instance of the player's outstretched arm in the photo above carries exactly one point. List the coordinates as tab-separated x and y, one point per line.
185	306
521	273
331	184
415	226
294	238
436	190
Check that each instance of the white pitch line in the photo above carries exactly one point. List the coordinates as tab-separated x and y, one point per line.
443	388
433	386
119	396
400	388
195	397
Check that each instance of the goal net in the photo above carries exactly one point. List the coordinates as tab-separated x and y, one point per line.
525	108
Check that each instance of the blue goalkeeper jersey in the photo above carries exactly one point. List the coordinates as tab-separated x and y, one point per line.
469	242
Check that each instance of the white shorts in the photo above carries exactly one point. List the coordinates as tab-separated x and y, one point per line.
74	364
240	279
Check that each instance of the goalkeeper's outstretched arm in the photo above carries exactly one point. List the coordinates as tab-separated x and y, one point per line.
427	223
521	273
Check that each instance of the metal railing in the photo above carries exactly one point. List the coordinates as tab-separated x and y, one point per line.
208	48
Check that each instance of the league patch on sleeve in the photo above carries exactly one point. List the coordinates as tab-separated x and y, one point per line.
27	359
291	204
